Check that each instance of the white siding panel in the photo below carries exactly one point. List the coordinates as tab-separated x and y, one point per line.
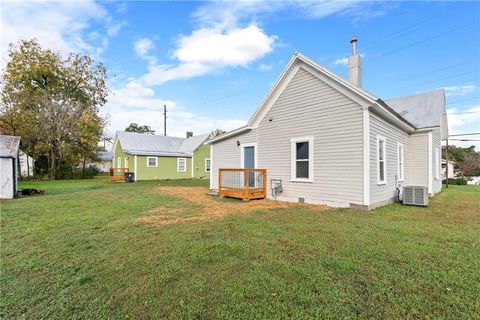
226	154
436	143
418	160
394	135
310	107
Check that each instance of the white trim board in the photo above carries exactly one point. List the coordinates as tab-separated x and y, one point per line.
366	156
430	151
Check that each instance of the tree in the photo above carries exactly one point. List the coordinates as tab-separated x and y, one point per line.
134	127
467	160
216	133
46	98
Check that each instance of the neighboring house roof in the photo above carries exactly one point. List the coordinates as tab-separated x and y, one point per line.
105	156
148	144
368	100
424	110
9	146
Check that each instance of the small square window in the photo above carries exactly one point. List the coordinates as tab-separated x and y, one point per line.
181	165
152	161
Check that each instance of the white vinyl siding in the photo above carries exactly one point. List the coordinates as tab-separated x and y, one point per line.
418	160
310	107
384	193
436	144
207	165
152	162
381	160
181	164
226	154
400	162
301	159
437	164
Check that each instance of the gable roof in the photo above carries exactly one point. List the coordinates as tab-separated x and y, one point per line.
9	146
424	110
363	97
105	155
148	144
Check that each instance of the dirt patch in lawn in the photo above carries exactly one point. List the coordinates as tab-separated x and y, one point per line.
212	208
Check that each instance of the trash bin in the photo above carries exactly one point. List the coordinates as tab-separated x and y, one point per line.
129	177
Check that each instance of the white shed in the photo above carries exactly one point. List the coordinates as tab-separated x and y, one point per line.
8	166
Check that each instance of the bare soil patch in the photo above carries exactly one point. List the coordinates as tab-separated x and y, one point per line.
212	208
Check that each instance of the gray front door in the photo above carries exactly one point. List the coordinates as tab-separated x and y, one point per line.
249	163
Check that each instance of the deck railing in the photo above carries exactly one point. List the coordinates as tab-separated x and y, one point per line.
117	174
244	184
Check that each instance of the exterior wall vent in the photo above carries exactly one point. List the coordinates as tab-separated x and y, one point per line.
301	200
415	196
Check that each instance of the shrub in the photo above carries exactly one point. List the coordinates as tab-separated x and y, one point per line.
457	181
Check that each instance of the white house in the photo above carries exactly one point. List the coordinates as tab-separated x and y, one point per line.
451	169
26	164
331	142
8	166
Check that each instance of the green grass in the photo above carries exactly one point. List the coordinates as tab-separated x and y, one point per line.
80	253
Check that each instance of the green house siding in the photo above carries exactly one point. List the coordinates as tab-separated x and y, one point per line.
118	153
166	169
199	156
166	166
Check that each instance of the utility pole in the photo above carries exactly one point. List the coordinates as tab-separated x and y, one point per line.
164	119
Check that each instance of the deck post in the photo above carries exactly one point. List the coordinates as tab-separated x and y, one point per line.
219	180
247	182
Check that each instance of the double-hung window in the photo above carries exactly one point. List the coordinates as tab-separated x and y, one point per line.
207	165
119	162
401	163
181	164
381	160
152	161
302	159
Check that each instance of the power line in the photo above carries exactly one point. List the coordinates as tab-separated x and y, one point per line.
463	100
428	72
464	134
440	79
463	140
449	113
424	40
398	33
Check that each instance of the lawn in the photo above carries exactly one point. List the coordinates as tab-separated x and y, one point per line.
81	252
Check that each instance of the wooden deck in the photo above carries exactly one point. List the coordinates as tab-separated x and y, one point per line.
117	174
246	184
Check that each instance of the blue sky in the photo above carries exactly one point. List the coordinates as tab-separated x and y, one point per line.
213	62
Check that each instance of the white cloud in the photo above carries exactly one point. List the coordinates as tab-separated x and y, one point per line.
64	26
341	61
265	67
459	90
465	120
137	103
143	46
209	49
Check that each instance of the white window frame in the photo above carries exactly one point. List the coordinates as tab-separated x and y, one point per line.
148	162
293	159
119	162
437	164
401	161
184	165
210	166
384	140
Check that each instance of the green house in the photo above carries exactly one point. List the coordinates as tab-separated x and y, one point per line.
152	157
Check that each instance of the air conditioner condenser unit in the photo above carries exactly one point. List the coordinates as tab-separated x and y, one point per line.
415	196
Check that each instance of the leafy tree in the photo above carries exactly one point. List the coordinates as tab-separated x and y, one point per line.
51	101
467	160
134	127
216	133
